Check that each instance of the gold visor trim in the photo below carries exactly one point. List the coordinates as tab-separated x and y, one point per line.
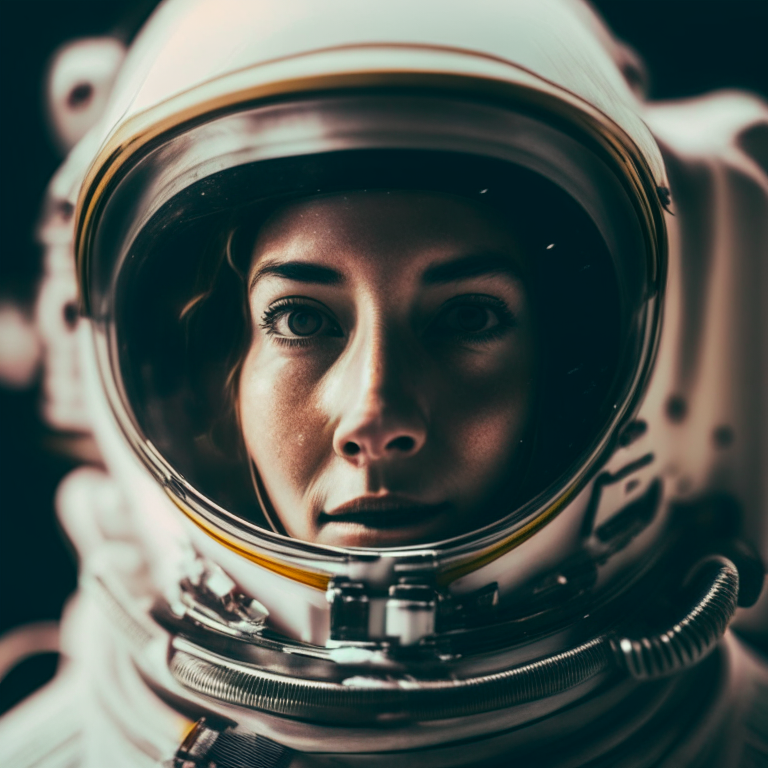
320	581
238	89
309	578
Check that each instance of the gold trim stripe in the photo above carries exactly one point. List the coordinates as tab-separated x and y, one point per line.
312	579
320	581
144	127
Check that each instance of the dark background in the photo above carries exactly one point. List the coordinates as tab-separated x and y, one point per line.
689	46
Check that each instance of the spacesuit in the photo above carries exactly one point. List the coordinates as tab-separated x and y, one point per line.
585	623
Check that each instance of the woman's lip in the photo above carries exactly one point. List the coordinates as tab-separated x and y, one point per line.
382	512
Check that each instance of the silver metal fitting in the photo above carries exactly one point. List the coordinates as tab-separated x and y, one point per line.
404	616
350	611
410	612
210	597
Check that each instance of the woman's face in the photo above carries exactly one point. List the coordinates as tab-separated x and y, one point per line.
387	393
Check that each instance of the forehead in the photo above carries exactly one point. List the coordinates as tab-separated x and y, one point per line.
380	227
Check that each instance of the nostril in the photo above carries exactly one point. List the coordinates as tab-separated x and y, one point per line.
351	449
403	443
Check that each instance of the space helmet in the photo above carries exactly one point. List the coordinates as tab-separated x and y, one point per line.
226	113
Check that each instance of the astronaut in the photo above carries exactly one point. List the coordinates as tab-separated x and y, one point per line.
423	357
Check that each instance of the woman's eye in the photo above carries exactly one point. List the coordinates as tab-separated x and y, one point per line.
473	319
298	322
468	318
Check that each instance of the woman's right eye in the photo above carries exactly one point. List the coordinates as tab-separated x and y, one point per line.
296	322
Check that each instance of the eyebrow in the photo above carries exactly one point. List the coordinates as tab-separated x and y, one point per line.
298	271
473	265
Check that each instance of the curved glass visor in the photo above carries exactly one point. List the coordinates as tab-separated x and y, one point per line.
503	258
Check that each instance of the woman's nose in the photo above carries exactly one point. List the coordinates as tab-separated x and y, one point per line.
381	419
377	434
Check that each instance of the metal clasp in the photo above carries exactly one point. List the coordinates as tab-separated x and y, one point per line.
212	744
350	611
404	615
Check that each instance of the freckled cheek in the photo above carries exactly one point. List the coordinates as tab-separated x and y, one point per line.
489	407
282	424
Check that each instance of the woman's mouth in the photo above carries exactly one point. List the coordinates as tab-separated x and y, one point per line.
397	514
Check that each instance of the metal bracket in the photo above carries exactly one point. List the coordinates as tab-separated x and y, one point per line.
410	612
404	616
350	611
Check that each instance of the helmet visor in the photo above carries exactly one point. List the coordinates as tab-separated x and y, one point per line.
491	397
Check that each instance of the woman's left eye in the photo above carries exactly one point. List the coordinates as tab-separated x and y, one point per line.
303	322
469	318
480	319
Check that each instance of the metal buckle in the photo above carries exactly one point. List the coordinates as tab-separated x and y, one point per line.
220	745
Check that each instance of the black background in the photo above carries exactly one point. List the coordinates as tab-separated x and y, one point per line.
689	46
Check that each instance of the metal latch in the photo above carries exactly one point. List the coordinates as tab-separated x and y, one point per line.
404	615
350	611
410	612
